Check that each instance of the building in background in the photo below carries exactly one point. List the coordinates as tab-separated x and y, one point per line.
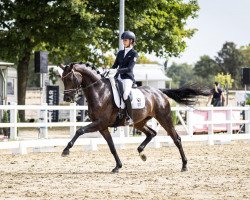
8	85
151	75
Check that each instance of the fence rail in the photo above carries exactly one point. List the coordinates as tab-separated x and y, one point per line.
193	119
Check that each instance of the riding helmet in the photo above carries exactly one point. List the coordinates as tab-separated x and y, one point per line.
128	35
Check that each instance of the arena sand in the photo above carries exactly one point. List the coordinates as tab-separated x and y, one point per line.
214	172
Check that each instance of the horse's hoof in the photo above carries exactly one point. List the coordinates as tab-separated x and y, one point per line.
115	170
143	157
184	169
65	153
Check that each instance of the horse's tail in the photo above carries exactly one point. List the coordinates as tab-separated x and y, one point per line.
188	94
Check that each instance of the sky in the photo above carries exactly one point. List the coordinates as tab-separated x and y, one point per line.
218	21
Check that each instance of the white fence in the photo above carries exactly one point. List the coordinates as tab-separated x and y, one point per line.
43	122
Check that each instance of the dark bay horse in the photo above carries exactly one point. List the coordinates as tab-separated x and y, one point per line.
103	111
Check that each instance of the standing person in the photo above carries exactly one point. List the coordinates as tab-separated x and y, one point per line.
125	61
217	97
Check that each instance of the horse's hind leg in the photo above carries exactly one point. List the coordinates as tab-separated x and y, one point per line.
149	132
165	120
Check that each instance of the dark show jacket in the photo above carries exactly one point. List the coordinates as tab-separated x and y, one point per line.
126	64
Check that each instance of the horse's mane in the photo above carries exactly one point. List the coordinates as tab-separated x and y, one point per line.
89	66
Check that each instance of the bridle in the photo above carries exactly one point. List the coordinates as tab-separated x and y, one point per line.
78	86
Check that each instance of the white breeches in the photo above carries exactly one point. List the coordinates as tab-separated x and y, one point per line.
127	87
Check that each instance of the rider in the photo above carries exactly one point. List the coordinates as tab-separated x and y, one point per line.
126	59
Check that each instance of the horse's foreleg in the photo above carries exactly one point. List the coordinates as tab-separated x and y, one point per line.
94	126
106	134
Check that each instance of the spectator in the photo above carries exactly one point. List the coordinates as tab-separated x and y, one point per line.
217	97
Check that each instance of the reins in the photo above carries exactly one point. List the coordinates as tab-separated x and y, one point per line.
91	84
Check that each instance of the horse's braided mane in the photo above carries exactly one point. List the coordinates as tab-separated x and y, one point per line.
88	65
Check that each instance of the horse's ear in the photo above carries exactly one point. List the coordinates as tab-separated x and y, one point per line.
62	66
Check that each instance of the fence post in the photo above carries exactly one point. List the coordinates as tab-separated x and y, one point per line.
229	118
210	127
155	125
126	131
73	119
190	124
43	130
46	120
247	118
13	119
121	134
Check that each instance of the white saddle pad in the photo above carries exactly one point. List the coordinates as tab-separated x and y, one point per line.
138	98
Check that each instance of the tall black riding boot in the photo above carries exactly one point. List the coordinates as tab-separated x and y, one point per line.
129	110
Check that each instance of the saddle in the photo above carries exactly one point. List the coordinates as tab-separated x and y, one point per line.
119	87
136	96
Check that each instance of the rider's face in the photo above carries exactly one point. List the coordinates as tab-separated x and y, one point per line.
126	43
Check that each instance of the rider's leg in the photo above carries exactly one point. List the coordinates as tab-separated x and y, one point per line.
127	86
128	107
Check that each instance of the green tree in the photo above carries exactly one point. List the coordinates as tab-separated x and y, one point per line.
74	30
159	25
225	80
181	74
245	51
206	68
144	60
26	25
230	61
108	60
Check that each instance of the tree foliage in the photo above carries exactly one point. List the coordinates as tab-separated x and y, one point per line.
225	67
245	51
143	59
159	25
181	74
205	66
225	80
84	30
230	61
27	25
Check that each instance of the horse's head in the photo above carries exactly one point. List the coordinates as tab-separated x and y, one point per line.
72	80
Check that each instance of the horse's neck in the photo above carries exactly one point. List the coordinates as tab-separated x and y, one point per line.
89	78
97	94
92	85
